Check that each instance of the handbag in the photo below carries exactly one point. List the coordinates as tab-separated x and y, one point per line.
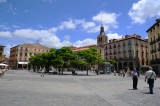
149	79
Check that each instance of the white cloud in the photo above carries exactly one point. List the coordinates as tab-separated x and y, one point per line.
85	42
54	42
3	1
67	37
67	25
106	18
4	27
6	34
144	9
114	36
7	50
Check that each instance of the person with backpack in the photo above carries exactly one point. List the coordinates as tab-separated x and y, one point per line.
150	76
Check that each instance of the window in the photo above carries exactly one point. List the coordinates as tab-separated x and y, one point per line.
21	48
30	54
119	44
106	48
100	51
130	55
25	59
21	54
119	56
124	55
129	42
1	49
25	54
124	49
119	49
114	57
129	48
110	57
114	51
34	53
26	49
0	54
20	59
124	43
47	51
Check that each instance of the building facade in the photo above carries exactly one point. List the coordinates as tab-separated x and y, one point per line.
130	52
154	46
20	54
1	53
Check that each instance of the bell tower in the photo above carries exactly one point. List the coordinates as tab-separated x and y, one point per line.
102	38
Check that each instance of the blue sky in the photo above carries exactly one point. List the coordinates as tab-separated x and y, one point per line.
57	23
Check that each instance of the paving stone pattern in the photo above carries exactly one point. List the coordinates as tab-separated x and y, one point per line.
27	88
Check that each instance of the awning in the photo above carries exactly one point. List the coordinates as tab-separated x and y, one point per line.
22	62
1	64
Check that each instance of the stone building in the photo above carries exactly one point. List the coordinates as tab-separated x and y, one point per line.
154	46
129	51
20	54
1	53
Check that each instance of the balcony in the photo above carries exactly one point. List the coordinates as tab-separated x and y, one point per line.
142	51
114	53
119	45
137	50
152	42
158	39
158	49
129	50
129	44
155	61
106	53
119	52
153	51
114	46
124	44
110	53
110	47
124	51
136	44
141	45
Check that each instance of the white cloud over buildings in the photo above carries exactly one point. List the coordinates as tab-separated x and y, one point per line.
144	9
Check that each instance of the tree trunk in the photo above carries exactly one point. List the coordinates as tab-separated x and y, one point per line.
47	69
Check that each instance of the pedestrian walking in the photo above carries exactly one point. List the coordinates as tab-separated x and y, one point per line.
123	72
150	75
134	75
42	73
115	72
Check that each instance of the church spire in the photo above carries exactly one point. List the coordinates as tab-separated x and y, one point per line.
102	30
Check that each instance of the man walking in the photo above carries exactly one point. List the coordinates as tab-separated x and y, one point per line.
150	75
135	79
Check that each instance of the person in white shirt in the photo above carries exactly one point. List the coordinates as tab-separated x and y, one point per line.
42	73
150	75
135	79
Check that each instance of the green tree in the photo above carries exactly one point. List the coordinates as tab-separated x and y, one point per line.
36	61
90	56
67	55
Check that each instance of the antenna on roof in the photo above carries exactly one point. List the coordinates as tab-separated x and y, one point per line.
101	21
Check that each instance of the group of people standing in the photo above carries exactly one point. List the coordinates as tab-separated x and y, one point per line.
149	77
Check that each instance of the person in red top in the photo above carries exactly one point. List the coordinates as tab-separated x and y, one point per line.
135	78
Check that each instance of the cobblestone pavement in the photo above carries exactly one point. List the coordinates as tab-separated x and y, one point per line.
23	88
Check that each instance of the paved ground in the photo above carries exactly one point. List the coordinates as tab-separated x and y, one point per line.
23	88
